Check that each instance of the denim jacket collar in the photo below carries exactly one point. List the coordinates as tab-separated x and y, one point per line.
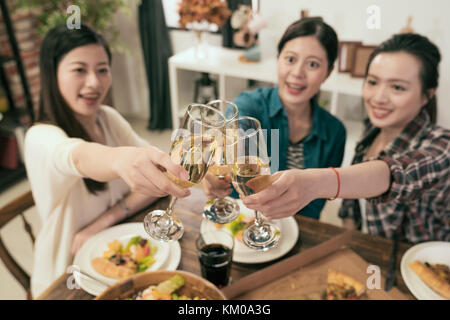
317	129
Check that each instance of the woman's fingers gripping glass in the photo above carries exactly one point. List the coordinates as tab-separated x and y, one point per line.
215	187
162	162
277	200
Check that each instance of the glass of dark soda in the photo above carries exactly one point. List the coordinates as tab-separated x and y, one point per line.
215	254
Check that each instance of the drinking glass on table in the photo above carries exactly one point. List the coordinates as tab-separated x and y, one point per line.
250	174
215	254
222	210
193	147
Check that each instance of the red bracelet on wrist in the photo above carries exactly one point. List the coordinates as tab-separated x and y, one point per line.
338	183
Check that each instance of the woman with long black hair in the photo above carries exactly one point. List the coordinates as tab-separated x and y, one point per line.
87	167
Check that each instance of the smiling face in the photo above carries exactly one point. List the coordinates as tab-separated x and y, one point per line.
84	78
392	91
302	68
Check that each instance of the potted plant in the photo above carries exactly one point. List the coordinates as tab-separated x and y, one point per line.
97	14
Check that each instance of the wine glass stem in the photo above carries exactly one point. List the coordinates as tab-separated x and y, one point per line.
170	207
258	220
221	177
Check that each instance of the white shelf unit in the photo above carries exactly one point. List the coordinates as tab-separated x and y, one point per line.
223	64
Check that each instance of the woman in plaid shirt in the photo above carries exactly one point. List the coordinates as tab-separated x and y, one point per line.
401	165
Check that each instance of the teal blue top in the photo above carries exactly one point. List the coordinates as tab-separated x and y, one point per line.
322	148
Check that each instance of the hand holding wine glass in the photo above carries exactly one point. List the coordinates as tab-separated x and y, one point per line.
214	187
193	147
291	192
250	174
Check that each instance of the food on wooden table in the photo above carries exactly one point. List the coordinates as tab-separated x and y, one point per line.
120	262
436	276
165	290
341	286
237	226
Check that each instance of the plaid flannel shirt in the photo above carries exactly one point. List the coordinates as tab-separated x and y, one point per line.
417	204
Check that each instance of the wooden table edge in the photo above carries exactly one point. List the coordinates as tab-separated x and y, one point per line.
54	284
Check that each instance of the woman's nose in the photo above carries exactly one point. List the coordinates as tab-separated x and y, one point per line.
298	71
92	80
380	94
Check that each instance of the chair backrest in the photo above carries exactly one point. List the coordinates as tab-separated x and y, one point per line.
11	210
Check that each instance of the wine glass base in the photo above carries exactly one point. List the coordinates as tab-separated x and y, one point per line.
222	210
160	227
263	237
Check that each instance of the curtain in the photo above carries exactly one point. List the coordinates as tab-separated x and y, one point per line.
227	30
157	49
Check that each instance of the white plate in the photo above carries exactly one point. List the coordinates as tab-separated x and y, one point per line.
171	264
431	252
167	256
243	254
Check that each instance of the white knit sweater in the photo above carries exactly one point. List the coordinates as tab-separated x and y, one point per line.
63	202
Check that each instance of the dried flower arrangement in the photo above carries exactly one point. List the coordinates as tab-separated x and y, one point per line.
201	11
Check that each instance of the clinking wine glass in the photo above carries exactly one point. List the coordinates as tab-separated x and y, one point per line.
193	147
250	174
222	210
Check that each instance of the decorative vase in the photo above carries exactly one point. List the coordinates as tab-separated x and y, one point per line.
201	46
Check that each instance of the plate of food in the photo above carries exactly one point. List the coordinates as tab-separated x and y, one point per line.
242	253
163	285
122	251
425	269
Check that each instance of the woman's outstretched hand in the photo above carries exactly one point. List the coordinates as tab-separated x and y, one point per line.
215	187
144	170
287	195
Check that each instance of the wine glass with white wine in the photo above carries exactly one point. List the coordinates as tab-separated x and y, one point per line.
193	147
250	174
222	210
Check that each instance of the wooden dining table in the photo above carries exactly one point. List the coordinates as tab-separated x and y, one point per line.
373	249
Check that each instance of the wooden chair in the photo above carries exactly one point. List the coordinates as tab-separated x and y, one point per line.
7	213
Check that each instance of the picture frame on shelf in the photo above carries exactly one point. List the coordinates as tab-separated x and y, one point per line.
346	55
362	54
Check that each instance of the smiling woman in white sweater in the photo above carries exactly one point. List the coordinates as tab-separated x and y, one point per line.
87	168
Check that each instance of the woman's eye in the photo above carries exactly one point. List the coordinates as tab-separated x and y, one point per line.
398	88
80	70
371	82
105	70
290	59
313	64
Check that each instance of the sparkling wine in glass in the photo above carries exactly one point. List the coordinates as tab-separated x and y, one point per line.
193	147
250	174
222	210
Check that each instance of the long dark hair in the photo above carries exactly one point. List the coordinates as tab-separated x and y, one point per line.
429	56
313	26
53	108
